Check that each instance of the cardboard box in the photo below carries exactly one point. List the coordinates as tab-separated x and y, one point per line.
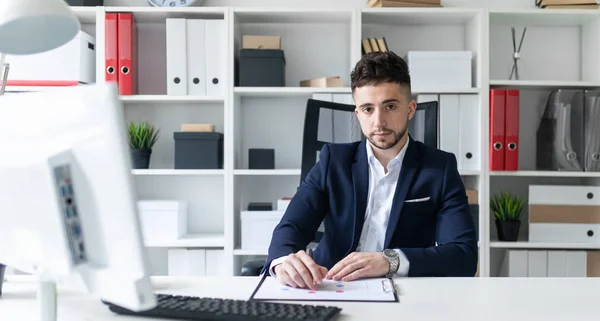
322	82
197	127
261	42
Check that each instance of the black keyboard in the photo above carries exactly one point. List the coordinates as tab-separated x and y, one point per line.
196	308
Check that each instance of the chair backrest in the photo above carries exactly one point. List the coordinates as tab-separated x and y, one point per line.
326	122
424	125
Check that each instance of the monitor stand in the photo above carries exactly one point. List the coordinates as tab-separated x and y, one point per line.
46	296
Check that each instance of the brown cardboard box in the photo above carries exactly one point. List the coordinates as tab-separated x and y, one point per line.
261	42
323	82
197	127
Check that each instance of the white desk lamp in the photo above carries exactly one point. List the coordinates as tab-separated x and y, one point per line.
33	26
29	27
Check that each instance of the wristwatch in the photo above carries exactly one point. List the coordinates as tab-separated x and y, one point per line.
394	259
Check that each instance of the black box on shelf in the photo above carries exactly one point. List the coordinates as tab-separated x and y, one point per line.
258	206
261	158
85	3
261	68
198	150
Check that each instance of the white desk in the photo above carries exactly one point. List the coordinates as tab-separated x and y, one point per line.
446	299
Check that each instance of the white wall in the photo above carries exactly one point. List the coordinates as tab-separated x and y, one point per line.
337	3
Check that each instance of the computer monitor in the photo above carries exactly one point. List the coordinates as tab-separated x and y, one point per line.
67	201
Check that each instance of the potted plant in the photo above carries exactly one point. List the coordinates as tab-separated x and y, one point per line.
507	209
142	137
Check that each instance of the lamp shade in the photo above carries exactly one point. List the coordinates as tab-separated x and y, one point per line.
35	26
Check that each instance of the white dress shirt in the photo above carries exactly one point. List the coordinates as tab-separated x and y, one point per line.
382	187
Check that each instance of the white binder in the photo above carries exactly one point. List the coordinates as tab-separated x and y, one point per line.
216	45
515	264
576	264
557	263
537	263
176	56
468	132
196	57
449	125
459	123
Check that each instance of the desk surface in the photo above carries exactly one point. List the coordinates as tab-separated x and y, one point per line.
445	299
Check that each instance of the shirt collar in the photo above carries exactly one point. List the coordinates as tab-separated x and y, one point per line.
397	159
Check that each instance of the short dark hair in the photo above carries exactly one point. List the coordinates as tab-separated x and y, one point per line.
377	67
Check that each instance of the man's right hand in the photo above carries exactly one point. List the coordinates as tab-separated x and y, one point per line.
300	271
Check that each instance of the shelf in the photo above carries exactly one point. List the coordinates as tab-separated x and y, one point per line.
543	84
154	14
417	91
204	240
267	172
545	173
189	172
292	15
250	252
287	91
541	17
542	245
469	172
170	99
418	16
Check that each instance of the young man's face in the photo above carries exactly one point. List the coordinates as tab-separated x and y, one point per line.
383	111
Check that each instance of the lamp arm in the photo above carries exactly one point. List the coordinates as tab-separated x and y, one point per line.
4	67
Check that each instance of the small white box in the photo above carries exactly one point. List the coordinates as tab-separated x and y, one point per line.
282	204
257	228
440	69
70	64
162	221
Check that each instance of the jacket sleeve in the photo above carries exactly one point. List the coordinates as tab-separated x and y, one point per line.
456	251
304	214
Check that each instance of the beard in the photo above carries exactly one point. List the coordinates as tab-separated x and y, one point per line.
390	140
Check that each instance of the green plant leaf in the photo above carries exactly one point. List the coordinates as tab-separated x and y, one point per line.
142	135
506	206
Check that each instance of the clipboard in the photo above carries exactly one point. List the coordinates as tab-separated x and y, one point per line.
363	290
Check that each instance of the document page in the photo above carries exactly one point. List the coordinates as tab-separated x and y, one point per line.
365	290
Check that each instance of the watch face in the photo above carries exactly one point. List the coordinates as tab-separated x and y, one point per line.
390	253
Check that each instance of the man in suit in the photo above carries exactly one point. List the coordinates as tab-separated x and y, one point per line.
390	204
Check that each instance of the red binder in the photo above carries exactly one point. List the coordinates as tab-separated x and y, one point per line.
110	49
511	130
126	49
497	116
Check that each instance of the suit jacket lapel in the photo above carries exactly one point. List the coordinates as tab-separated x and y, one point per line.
408	170
360	178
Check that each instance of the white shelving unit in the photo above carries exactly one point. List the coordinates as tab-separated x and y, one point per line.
561	50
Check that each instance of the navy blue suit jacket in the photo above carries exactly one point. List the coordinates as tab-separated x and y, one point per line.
335	192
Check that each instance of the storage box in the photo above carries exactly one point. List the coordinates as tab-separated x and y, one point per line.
257	228
261	158
261	68
85	3
198	150
162	221
564	213
261	42
70	64
440	69
323	82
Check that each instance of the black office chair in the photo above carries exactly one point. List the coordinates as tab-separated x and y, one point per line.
324	122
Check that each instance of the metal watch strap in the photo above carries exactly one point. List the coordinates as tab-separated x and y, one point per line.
394	264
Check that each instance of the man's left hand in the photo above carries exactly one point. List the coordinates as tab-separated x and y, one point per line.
359	265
